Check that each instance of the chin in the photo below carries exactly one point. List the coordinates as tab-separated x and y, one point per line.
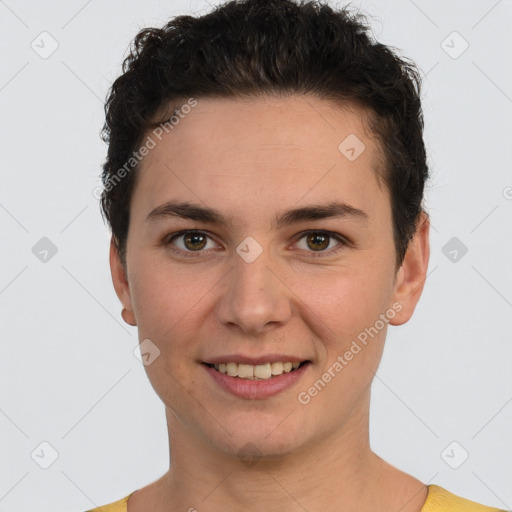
252	450
256	438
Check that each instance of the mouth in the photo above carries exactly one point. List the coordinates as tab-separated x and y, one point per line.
257	381
265	371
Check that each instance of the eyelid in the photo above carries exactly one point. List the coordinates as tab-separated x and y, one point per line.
172	236
342	242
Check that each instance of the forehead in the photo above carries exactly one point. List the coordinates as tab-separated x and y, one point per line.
258	154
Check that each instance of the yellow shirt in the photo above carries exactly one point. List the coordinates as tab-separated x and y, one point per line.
438	500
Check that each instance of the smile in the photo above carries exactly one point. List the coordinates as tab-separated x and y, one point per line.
256	382
256	372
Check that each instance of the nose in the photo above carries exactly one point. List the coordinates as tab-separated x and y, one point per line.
253	296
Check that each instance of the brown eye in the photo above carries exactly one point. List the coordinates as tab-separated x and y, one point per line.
189	242
318	241
194	241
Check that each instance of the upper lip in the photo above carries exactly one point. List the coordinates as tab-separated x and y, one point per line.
241	359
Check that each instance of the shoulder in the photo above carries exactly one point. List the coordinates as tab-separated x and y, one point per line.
438	500
441	500
117	506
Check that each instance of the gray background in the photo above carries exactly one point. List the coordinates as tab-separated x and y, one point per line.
68	375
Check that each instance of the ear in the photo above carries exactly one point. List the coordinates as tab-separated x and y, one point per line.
412	273
121	286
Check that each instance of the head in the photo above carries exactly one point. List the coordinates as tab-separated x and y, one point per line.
255	109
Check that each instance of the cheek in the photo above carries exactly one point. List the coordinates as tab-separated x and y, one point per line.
163	295
348	300
164	303
352	328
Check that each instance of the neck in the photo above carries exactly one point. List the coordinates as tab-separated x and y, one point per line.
339	472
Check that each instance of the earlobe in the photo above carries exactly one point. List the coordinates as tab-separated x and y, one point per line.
128	317
121	286
413	272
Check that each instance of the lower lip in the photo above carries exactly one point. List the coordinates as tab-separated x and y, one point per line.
257	389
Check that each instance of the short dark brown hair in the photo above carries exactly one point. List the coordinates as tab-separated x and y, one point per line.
268	47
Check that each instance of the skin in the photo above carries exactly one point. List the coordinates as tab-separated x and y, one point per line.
250	159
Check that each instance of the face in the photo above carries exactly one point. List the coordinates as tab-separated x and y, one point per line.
281	250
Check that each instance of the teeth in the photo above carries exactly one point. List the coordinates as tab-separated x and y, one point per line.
263	371
246	371
260	371
277	368
232	369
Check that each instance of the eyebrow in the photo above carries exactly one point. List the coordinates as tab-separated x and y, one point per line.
187	210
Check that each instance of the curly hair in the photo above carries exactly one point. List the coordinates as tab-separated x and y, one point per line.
267	47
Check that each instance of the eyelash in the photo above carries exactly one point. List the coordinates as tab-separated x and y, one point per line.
315	254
